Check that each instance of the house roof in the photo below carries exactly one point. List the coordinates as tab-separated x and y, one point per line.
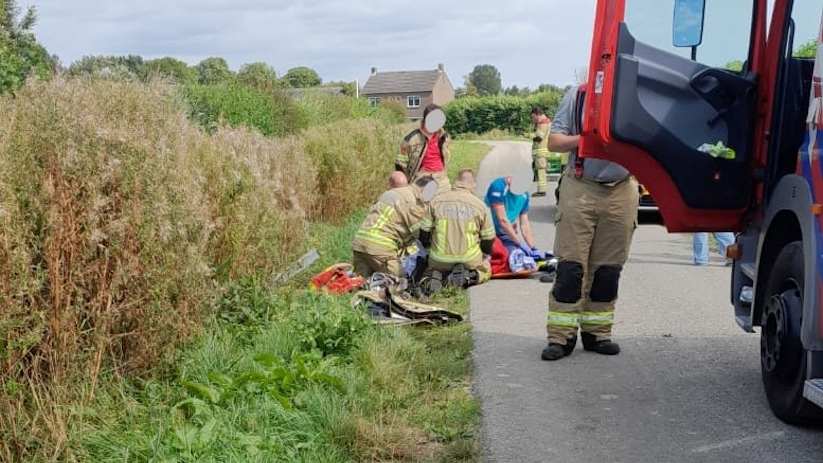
401	82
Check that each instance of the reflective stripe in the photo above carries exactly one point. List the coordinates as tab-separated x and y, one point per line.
374	233
438	251
540	151
487	233
377	239
597	318
564	319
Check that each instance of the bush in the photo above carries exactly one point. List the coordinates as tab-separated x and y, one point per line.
270	111
502	112
353	160
321	108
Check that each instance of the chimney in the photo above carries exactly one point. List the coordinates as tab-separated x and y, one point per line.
441	67
373	70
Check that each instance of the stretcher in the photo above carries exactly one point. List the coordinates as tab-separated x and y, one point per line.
512	275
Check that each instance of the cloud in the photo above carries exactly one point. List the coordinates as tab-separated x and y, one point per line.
531	42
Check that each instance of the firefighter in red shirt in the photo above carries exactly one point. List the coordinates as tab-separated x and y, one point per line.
424	152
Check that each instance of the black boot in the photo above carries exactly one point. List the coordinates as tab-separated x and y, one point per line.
556	351
605	346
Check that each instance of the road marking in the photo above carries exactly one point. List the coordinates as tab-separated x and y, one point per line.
727	444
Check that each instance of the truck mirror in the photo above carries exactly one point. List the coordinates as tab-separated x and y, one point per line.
688	22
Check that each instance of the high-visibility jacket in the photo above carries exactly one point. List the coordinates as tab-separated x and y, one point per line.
458	220
540	136
392	222
413	147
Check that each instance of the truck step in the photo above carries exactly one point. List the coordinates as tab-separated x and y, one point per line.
813	391
748	270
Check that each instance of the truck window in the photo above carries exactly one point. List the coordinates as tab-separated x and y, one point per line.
806	17
726	30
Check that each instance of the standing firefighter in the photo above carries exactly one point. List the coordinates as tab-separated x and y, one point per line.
391	225
424	152
459	230
595	222
540	149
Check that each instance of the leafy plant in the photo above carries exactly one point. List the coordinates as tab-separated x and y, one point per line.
330	327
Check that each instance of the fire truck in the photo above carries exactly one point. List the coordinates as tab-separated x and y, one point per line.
661	114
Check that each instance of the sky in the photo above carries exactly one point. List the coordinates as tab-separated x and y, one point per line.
529	41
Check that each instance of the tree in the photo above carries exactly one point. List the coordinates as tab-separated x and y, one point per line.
172	68
513	90
348	88
807	50
486	79
20	54
115	67
257	74
735	65
302	77
213	70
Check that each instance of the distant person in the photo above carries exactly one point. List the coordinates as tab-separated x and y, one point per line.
540	149
459	231
426	154
392	223
700	245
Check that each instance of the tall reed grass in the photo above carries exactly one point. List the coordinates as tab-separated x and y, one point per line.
121	221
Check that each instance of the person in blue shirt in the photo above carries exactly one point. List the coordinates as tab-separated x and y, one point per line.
509	210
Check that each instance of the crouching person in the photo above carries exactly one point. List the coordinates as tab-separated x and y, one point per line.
458	229
392	223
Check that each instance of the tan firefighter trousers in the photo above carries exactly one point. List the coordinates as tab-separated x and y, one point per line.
594	228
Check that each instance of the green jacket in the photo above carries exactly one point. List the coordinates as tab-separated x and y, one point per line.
413	147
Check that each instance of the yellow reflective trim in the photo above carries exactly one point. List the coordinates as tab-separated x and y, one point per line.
597	318
563	319
438	251
377	239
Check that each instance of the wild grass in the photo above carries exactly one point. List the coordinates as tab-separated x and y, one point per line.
122	224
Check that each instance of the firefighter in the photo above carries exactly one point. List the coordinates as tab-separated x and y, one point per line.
424	152
391	225
540	149
458	229
594	225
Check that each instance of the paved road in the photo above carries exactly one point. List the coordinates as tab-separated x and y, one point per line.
686	387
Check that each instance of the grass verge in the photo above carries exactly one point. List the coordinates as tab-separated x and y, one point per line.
299	377
465	155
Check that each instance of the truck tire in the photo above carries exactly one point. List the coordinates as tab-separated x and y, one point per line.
783	359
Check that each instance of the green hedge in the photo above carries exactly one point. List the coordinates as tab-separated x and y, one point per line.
502	112
271	112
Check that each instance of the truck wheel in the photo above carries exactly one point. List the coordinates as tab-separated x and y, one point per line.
782	356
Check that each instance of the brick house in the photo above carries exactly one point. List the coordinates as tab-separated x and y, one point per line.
413	89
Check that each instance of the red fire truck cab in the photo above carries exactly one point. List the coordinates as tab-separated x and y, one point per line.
723	150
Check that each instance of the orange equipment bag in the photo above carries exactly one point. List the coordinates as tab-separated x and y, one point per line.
337	279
